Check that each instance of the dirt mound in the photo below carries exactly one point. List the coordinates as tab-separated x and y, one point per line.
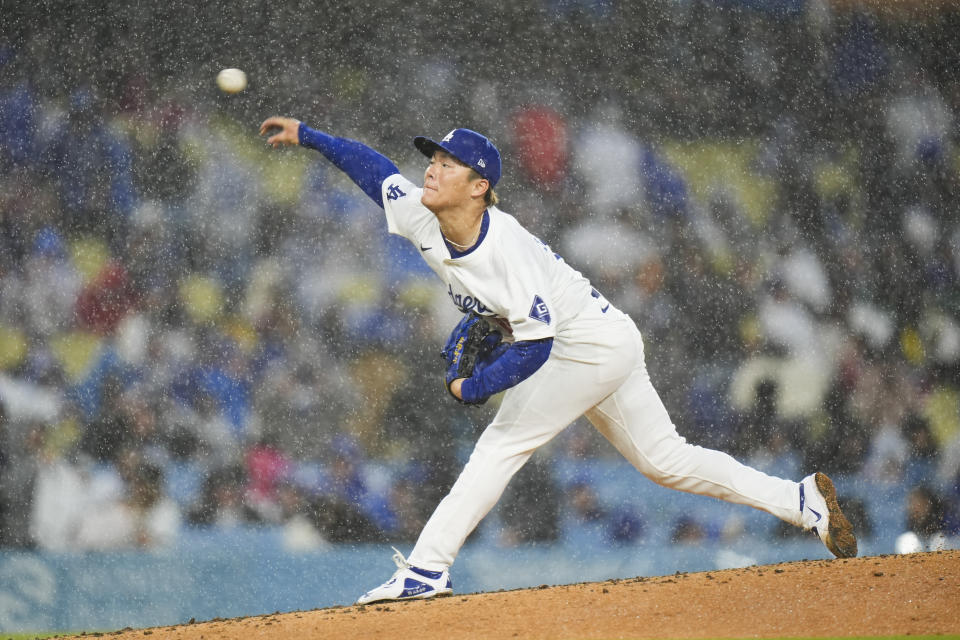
875	596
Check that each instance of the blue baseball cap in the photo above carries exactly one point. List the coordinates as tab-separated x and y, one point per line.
470	148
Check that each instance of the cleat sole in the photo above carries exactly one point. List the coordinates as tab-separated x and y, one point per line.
839	538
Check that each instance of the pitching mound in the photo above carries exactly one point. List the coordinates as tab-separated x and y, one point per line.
887	595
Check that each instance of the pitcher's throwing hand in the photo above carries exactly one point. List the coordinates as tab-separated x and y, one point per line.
281	131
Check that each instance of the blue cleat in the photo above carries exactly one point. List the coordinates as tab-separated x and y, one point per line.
410	583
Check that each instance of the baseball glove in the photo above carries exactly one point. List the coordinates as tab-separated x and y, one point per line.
473	344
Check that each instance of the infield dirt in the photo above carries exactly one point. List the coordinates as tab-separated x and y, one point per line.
917	594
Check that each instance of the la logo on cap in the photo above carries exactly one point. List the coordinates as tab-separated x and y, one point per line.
449	136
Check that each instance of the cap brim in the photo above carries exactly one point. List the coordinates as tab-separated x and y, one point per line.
428	147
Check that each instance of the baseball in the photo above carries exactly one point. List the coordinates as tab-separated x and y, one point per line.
232	80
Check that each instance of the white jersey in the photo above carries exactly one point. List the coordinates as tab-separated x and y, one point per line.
508	274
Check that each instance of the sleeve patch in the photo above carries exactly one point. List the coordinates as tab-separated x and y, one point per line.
539	310
394	192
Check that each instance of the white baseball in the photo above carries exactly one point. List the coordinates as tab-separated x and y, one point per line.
232	80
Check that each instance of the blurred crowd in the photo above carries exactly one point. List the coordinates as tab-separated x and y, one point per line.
200	332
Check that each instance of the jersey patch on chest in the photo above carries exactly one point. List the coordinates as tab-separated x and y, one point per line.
539	310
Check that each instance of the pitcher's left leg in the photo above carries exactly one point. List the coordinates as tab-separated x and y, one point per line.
531	414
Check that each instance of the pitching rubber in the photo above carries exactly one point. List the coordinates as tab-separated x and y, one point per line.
840	539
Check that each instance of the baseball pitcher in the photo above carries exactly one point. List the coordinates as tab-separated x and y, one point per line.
535	328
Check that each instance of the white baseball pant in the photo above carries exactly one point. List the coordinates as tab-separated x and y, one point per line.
596	369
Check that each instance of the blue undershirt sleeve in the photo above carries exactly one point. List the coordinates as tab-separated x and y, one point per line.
518	363
366	167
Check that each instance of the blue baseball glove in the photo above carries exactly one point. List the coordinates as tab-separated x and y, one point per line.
473	344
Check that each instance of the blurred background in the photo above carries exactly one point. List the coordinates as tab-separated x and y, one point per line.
218	371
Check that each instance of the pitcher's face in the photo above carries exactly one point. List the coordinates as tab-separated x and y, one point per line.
448	183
